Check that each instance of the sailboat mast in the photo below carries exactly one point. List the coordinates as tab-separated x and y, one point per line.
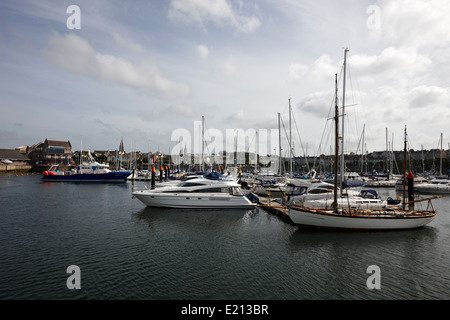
336	147
343	113
387	156
362	149
203	142
404	173
81	151
256	150
279	144
440	165
290	140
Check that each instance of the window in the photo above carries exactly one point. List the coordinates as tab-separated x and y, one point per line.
191	184
318	191
55	150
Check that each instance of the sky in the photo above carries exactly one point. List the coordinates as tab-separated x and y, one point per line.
148	71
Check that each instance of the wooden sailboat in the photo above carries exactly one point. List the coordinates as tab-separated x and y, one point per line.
340	217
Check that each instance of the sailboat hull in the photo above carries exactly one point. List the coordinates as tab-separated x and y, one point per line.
376	220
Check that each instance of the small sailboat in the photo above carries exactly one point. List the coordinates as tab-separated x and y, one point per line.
342	216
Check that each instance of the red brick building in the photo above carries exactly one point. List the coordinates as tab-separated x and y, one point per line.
50	152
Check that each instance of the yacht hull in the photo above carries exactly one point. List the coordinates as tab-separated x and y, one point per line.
382	220
432	189
192	200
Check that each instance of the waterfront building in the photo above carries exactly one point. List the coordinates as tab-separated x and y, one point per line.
11	159
50	152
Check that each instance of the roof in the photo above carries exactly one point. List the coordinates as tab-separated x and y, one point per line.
12	154
56	143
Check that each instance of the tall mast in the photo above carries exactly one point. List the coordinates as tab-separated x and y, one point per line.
256	150
392	157
440	165
290	140
81	151
387	156
404	172
336	147
203	142
279	144
343	113
362	149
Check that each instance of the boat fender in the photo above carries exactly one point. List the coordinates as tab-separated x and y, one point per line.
45	173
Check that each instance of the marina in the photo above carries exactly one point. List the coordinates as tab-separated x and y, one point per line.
126	250
212	157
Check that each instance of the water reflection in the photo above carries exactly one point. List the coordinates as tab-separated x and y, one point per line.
303	235
194	218
341	259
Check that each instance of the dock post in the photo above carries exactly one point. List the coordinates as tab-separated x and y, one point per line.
410	179
161	174
153	178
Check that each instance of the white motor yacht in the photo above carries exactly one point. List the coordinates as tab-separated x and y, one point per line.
319	191
434	186
196	193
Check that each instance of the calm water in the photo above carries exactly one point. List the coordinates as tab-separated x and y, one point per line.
127	251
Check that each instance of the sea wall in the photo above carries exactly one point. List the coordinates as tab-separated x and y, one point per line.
15	167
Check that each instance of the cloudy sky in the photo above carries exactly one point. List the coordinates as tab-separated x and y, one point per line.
142	70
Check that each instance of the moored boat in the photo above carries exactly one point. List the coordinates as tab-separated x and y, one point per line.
342	216
196	193
86	172
434	186
384	219
365	199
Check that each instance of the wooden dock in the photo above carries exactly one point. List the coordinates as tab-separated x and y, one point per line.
274	207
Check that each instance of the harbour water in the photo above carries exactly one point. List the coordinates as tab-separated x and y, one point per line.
126	251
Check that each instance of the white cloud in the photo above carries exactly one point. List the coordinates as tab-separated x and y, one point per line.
182	110
127	43
159	113
317	103
321	69
391	62
203	51
74	54
228	66
427	97
416	23
218	12
298	71
246	120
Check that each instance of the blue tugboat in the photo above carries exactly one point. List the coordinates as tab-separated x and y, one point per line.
86	172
